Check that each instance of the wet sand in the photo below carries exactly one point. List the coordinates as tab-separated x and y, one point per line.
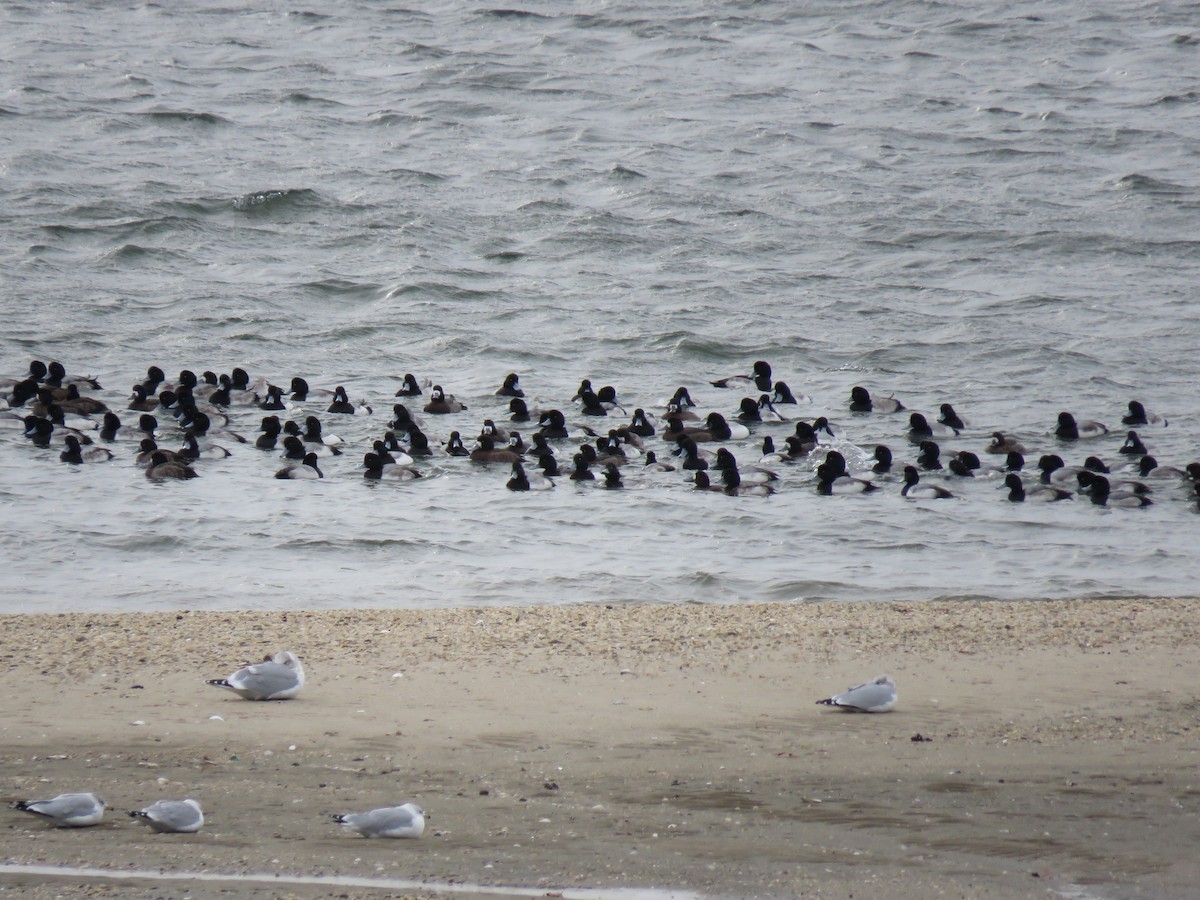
623	747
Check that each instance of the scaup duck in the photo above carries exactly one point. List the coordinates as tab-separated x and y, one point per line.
109	427
920	429
74	452
274	399
590	405
759	380
192	449
294	447
146	450
1148	467
64	419
418	443
538	446
488	452
1137	415
375	468
140	401
767	411
831	482
313	433
342	405
640	424
1086	479
56	374
299	391
395	455
749	474
1053	469
74	402
154	377
271	429
521	481
440	403
582	471
959	468
736	486
690	454
1001	445
1068	429
748	411
516	443
511	386
682	406
929	457
307	469
201	423
553	424
914	490
548	463
861	401
44	433
652	464
768	454
1133	445
455	446
491	430
402	420
883	459
721	430
518	411
948	417
612	477
1102	495
164	467
607	396
781	394
21	393
410	388
1040	494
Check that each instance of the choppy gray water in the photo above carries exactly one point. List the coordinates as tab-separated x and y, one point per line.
996	209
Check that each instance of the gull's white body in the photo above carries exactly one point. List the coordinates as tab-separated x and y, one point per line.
876	696
405	821
179	816
278	678
66	810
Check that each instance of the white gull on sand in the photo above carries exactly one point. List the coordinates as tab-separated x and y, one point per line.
66	810
277	678
873	697
182	816
405	821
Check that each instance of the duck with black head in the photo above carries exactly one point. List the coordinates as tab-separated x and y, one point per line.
440	403
511	386
914	490
1068	429
411	387
862	401
1138	415
758	380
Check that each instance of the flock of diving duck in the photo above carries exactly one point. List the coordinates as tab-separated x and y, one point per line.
172	427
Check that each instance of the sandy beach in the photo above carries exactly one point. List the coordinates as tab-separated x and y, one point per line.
1037	749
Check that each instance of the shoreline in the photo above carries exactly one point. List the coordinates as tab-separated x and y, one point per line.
624	746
